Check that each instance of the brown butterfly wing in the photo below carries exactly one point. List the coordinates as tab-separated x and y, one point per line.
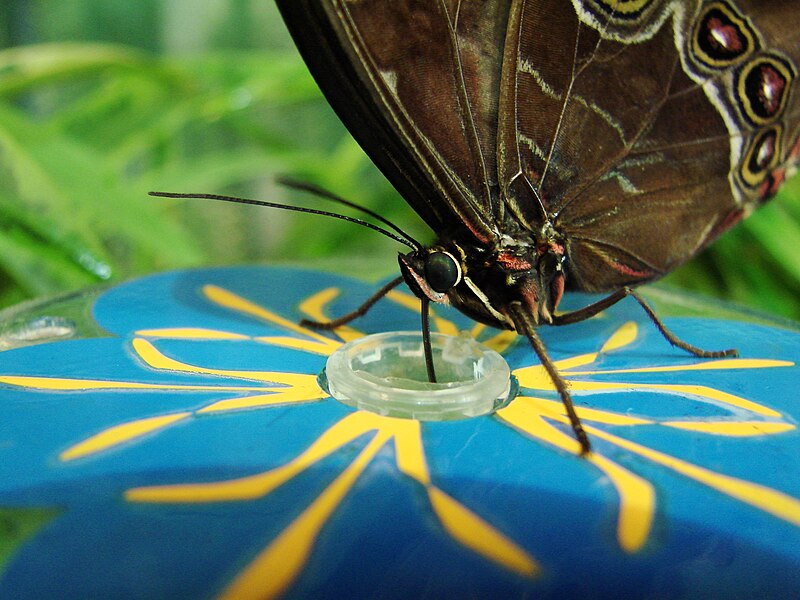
641	129
634	131
417	84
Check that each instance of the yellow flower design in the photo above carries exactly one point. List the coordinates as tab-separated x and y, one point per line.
279	564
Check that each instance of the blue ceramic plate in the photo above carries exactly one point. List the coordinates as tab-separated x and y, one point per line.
191	453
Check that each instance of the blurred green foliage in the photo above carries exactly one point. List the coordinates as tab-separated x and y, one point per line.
104	100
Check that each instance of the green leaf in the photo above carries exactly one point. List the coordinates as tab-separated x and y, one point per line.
17	525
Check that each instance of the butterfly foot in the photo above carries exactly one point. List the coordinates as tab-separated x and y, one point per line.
318	325
730	353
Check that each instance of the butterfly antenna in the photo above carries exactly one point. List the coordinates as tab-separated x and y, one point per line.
405	240
328	195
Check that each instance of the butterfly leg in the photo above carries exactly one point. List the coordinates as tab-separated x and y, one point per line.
599	306
360	311
525	325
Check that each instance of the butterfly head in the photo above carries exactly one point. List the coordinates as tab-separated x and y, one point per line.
432	272
482	284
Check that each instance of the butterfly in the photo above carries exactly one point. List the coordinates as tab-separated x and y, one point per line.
554	145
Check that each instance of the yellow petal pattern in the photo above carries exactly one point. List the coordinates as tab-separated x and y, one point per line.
275	567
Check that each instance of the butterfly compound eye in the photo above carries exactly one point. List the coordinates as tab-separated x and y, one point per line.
442	271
